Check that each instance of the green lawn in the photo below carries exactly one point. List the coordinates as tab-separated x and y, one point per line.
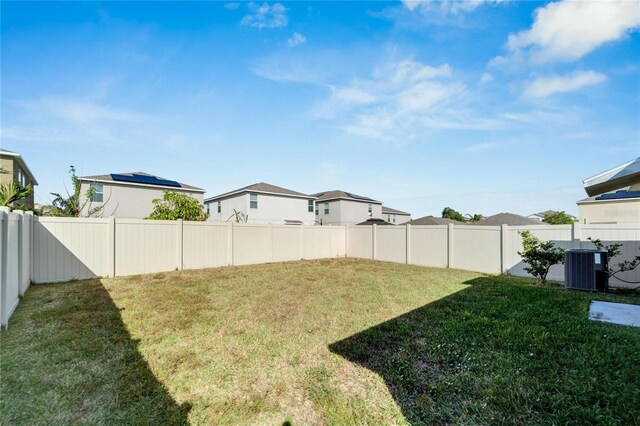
339	341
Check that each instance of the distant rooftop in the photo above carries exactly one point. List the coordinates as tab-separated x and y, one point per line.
261	187
337	194
20	160
375	221
506	219
140	178
432	220
389	210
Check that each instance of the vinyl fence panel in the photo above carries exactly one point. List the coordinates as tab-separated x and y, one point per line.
429	245
146	246
477	248
360	241
391	243
206	244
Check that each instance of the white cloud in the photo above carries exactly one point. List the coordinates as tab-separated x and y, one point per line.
231	6
266	16
486	78
568	30
552	84
453	7
80	111
481	147
296	40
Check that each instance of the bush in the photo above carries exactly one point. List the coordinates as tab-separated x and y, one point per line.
174	205
539	255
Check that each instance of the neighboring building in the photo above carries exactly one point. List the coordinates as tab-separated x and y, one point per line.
541	215
17	171
394	216
606	206
129	195
344	208
506	219
432	220
610	208
263	203
375	222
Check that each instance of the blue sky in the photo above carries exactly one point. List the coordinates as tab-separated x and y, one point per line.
483	106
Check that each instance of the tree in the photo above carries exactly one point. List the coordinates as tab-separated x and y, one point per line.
72	205
450	213
613	250
12	192
540	256
558	218
175	205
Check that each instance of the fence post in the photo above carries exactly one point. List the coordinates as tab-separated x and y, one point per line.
232	236
4	220
374	239
180	251
111	250
21	259
408	242
302	228
576	235
230	243
30	220
450	245
330	240
504	247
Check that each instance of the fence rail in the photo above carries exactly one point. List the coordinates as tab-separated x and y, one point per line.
50	249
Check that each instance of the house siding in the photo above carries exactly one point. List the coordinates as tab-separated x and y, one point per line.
273	209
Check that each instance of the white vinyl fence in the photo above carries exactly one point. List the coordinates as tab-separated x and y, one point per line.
51	249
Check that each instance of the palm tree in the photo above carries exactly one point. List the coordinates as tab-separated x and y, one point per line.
12	192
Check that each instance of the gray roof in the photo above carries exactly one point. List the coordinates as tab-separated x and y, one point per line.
506	219
548	212
375	221
389	210
108	178
263	187
432	220
337	194
20	160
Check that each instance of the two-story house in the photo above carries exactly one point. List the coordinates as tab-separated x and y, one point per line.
14	169
263	203
128	195
344	208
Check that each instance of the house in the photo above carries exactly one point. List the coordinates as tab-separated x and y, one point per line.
432	220
16	170
541	215
344	208
263	203
396	217
506	219
614	196
128	195
375	222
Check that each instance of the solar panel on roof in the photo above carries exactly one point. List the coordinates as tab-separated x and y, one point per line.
358	197
149	180
619	195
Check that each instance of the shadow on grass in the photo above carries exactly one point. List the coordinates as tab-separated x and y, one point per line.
501	351
67	357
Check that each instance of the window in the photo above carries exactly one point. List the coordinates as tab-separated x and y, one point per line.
326	208
21	177
219	206
253	201
310	208
370	210
98	192
208	209
317	210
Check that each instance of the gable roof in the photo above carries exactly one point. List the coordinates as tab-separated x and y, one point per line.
264	188
337	194
375	221
20	160
110	179
621	176
506	219
389	210
432	220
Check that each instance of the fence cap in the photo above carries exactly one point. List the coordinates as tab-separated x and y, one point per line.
5	209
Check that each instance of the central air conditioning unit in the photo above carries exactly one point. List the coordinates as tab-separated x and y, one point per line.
586	269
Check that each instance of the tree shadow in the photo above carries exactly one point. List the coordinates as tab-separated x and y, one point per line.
68	349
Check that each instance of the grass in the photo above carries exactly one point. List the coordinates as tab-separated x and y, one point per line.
339	341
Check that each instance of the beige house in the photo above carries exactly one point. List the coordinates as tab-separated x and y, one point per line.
128	195
344	208
263	203
16	170
395	217
614	196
